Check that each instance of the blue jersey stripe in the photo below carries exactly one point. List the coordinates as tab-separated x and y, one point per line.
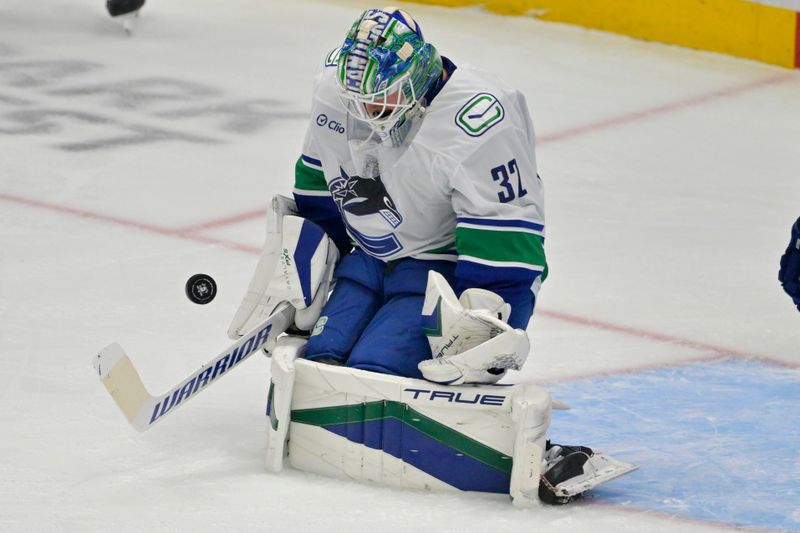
311	160
486	274
501	223
513	284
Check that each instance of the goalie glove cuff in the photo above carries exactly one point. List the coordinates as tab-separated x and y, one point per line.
470	343
485	363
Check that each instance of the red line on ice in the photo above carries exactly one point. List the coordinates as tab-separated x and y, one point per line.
627	118
717	351
669	107
151	228
596	374
636	332
226	221
712	352
191	233
85	214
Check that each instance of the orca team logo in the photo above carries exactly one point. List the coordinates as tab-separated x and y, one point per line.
480	114
366	203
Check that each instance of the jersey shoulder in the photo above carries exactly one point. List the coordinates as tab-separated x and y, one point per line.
328	67
325	94
332	58
473	107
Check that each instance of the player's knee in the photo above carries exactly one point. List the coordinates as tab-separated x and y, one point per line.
391	347
344	318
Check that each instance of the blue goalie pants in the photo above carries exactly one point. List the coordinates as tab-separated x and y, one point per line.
372	320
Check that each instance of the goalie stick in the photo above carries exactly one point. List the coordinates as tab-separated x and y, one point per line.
143	410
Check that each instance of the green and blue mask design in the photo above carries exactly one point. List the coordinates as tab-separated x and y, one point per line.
385	69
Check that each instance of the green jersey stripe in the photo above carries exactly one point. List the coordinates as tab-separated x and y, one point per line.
501	246
449	248
308	179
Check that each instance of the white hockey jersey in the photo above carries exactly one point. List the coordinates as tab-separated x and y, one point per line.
463	187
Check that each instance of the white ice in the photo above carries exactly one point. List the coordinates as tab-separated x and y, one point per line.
671	179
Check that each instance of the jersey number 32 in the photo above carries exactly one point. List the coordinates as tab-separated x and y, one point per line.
503	175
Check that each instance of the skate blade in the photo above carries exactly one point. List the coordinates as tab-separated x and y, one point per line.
603	469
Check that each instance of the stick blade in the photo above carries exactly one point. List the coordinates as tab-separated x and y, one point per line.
123	383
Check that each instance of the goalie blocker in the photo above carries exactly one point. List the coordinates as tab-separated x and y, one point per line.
296	266
404	432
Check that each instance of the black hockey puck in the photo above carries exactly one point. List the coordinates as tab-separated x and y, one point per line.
123	7
201	288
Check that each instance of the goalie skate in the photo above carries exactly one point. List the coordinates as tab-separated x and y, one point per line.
572	470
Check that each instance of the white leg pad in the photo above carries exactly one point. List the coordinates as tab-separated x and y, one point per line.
402	432
411	433
531	415
279	401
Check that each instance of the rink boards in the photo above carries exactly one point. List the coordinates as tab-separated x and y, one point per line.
752	30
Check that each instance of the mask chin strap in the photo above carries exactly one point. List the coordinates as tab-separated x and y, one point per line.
394	136
399	132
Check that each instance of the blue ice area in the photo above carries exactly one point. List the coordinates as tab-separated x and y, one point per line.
717	441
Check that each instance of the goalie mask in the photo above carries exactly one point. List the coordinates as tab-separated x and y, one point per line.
385	70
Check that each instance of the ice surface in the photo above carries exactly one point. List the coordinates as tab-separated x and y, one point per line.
131	162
